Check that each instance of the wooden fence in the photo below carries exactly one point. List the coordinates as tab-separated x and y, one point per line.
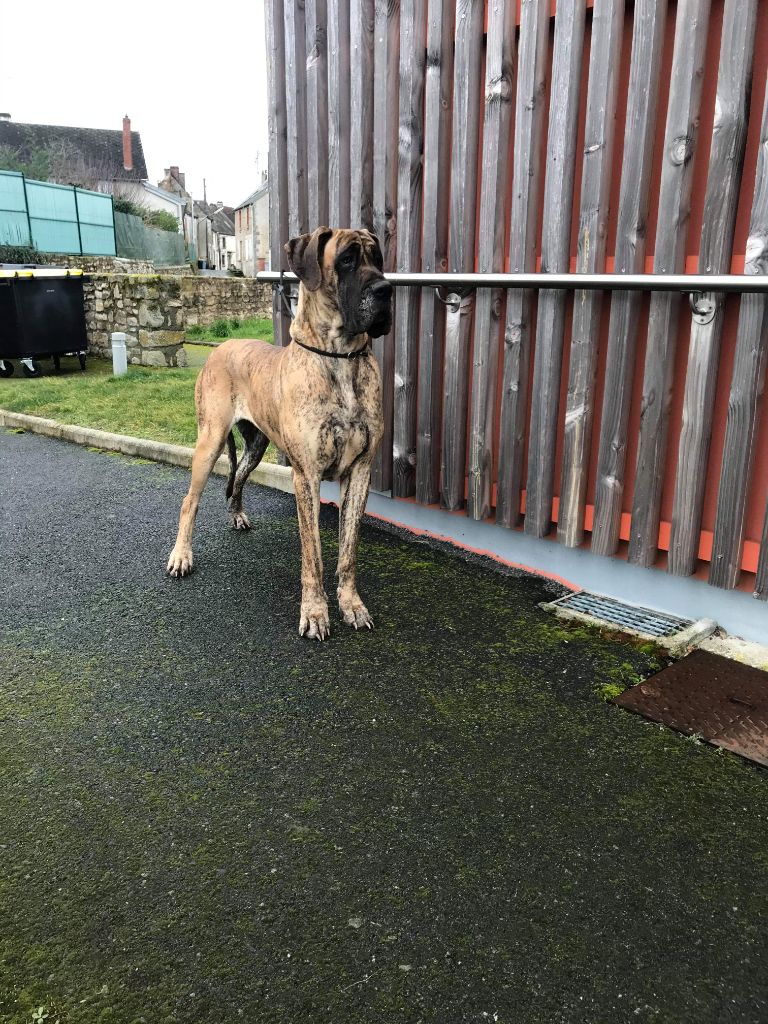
523	135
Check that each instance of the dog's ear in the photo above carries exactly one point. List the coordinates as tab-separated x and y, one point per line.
378	259
305	257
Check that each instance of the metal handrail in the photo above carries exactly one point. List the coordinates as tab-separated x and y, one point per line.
457	283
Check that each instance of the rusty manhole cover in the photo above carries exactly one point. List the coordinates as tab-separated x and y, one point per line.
722	701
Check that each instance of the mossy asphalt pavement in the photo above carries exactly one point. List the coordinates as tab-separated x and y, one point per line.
205	818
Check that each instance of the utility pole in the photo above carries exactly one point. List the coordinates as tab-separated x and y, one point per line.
205	204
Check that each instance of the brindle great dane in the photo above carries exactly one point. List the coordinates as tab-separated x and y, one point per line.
318	400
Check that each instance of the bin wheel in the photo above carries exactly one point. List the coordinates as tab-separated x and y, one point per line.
6	368
81	357
31	368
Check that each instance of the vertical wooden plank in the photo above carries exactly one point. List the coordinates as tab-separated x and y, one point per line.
386	65
361	22
761	584
409	190
680	137
526	163
555	257
296	109
604	58
278	156
747	384
467	84
647	43
338	113
434	249
316	19
499	62
726	158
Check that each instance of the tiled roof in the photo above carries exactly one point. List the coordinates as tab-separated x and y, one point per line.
98	148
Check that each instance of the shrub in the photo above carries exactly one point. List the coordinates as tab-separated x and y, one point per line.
161	219
194	331
18	254
123	205
235	323
220	329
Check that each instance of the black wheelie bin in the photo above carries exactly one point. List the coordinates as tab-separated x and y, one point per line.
41	316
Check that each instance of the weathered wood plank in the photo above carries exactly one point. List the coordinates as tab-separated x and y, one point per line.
555	257
604	58
434	248
467	85
720	203
747	385
499	62
361	24
761	584
316	20
278	156
296	111
645	62
386	64
409	192
680	139
526	163
338	113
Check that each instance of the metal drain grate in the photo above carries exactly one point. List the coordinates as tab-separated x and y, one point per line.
722	701
626	616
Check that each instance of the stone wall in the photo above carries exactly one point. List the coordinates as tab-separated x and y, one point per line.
96	264
154	311
207	299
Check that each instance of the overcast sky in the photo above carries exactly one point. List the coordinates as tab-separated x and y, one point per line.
191	78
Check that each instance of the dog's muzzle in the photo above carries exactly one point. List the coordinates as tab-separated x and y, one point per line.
379	300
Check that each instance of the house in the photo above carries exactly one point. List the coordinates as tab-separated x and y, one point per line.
210	225
224	237
95	158
252	230
101	159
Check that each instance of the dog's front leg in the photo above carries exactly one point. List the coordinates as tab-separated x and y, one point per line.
314	621
353	496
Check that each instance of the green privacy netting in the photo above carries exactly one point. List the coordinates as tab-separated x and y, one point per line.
63	219
138	241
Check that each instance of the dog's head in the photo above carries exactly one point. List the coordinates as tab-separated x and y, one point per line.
345	268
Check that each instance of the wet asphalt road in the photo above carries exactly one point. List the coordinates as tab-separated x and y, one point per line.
204	818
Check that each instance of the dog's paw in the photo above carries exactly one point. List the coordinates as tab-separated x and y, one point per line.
180	562
314	622
240	521
354	612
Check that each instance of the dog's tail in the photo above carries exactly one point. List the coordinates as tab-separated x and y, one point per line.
232	454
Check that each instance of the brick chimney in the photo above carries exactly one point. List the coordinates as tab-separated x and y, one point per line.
179	176
127	147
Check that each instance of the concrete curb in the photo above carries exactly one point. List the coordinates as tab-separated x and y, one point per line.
278	477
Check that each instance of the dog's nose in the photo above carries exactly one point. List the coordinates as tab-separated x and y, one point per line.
382	290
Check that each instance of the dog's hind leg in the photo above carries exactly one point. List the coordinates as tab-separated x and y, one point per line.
255	445
210	443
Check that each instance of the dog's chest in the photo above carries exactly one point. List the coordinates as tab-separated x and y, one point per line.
347	427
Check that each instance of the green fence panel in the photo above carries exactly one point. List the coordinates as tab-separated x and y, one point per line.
14	224
135	240
97	228
53	217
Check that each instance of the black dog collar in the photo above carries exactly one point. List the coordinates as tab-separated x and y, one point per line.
334	355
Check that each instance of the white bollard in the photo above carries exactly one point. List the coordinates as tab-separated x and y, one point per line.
119	354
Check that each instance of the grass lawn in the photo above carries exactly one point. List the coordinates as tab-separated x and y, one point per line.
147	402
220	330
